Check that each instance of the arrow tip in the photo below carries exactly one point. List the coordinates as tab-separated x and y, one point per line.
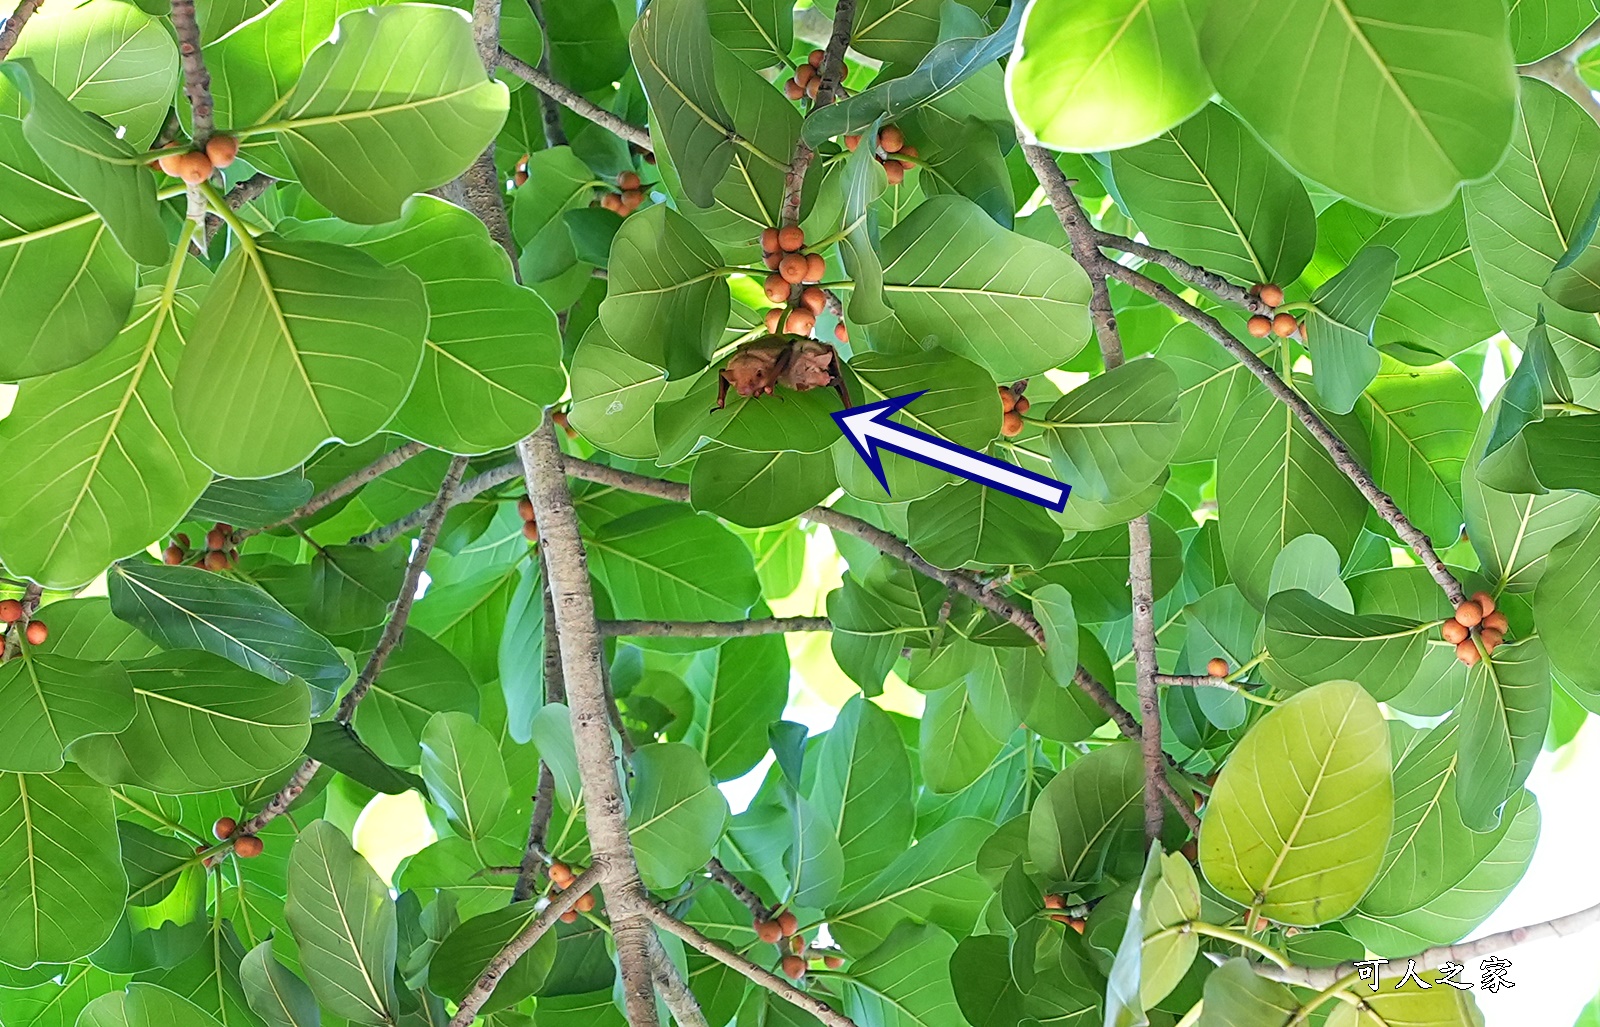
857	425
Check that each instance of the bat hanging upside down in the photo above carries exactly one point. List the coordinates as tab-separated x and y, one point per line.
800	364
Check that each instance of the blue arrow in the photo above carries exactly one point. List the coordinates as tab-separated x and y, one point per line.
869	429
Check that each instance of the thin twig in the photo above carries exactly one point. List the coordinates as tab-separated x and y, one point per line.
482	989
829	76
1184	271
760	975
741	891
1197	681
582	665
11	28
196	79
1461	952
392	633
338	490
576	102
713	628
469	490
1141	580
245	192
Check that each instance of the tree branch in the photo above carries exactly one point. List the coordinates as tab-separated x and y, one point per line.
576	102
674	990
766	978
469	490
340	489
196	79
11	28
741	891
830	75
1460	952
1181	269
480	992
1197	681
550	111
712	628
245	192
393	630
482	189
1380	500
582	665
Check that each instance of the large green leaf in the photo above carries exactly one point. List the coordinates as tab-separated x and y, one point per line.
275	993
1466	902
1437	302
674	54
1108	74
760	32
1093	566
61	882
145	1005
53	247
955	747
668	561
863	788
1504	716
1312	642
1274	483
877	616
344	922
1013	304
395	102
676	813
904	981
256	64
1339	328
614	395
958	405
798	423
1115	434
49	702
1151	961
1211	193
1374	110
1297	821
421	678
491	359
1430	849
666	303
1565	609
110	59
740	689
899	31
1211	383
200	724
188	608
296	343
558	181
1420	422
1089	820
1522	219
99	469
1573	281
52	1004
935	881
969	523
97	164
1411	1007
465	773
757	490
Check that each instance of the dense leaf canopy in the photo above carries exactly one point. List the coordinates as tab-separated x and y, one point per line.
422	400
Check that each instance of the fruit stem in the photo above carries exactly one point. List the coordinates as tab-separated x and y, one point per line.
1244	668
1334	990
225	212
1236	938
1569	408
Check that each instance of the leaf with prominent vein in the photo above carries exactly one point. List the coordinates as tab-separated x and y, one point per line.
1112	436
666	303
1298	819
1339	327
464	771
935	881
275	993
97	467
1089	819
145	1005
188	608
1312	642
1374	108
343	919
673	54
863	788
297	343
199	724
49	702
676	814
61	882
670	561
394	103
1107	74
1013	304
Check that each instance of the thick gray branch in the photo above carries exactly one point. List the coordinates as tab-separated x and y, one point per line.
713	628
11	28
338	490
196	79
830	75
582	666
